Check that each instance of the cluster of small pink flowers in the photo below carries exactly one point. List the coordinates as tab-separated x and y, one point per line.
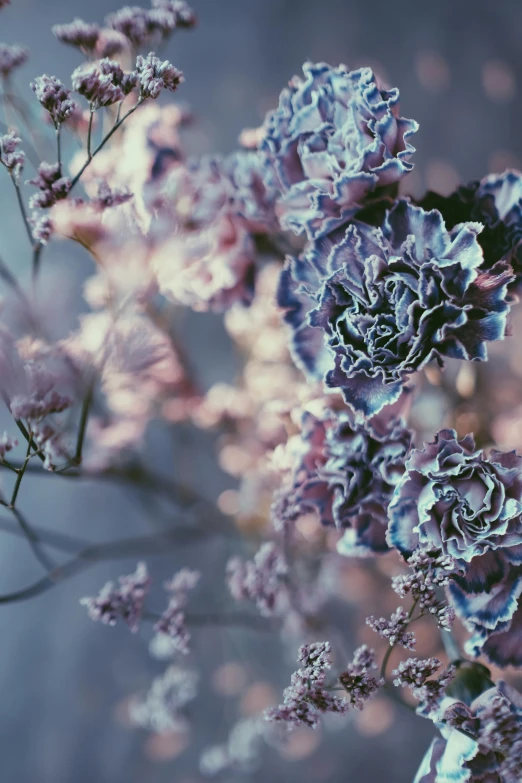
103	83
429	571
394	629
142	25
357	680
10	156
172	622
122	602
54	97
52	186
307	697
262	580
11	57
155	76
414	673
161	710
41	227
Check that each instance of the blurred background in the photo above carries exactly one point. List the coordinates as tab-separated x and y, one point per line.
64	681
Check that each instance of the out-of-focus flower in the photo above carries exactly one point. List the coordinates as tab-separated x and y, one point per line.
4	3
52	186
162	708
208	269
103	83
131	21
172	622
142	26
335	138
454	499
10	156
262	580
241	752
480	742
11	57
83	35
7	444
110	43
389	301
54	97
41	227
122	602
155	76
183	14
346	473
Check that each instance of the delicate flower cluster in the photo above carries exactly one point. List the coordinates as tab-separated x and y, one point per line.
429	571
10	156
172	622
83	35
306	697
335	138
454	499
141	25
123	602
415	674
480	742
387	301
162	708
11	57
262	579
54	97
394	629
154	76
346	472
52	186
357	680
103	83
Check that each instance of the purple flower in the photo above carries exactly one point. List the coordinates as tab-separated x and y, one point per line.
480	743
10	156
357	679
78	33
183	14
54	97
155	76
306	697
346	473
387	301
132	22
11	57
123	602
495	201
104	83
172	622
262	579
335	138
454	499
394	629
52	186
415	674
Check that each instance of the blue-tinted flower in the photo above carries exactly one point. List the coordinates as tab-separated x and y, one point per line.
335	138
495	201
389	300
346	473
454	499
480	743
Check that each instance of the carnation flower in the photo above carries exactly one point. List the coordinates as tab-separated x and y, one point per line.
11	57
346	473
335	138
455	499
480	742
390	300
495	201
